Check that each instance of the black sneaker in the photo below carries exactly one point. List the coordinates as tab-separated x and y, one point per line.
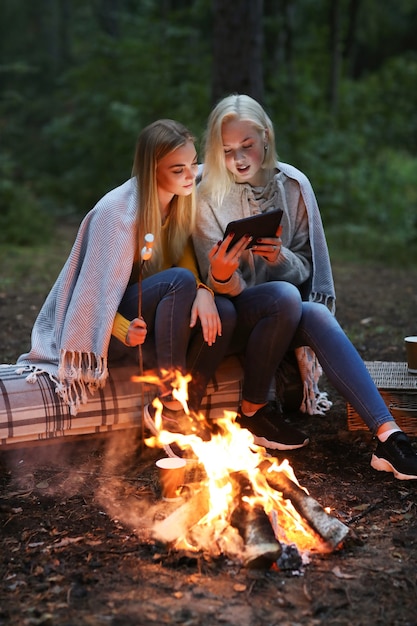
396	455
176	422
149	411
270	430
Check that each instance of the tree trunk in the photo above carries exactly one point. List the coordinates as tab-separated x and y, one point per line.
350	41
335	56
237	48
108	16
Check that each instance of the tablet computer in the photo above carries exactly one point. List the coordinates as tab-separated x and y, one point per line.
257	226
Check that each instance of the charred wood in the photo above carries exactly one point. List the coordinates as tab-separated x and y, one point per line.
178	523
261	546
329	528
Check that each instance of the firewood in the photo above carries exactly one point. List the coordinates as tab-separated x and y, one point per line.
329	528
262	548
178	523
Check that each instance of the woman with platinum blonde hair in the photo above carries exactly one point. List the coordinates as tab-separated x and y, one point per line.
281	285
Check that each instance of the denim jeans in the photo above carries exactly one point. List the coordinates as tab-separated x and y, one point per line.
170	343
341	363
267	320
272	319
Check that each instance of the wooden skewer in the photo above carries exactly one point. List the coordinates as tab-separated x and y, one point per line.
145	255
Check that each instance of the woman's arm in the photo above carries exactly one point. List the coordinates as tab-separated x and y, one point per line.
204	306
294	263
130	333
207	238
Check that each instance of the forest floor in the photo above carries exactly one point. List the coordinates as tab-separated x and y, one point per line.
72	555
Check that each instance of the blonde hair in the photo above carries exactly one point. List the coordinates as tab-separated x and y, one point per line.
217	180
155	142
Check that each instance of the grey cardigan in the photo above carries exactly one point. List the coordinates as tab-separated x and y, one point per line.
304	259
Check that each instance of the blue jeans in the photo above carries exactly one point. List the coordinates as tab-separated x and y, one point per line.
273	319
170	343
341	363
268	316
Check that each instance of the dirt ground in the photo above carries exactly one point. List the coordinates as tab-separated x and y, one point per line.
72	554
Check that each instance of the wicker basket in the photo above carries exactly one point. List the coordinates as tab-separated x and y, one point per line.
399	391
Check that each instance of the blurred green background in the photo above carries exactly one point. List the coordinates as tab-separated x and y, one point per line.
80	78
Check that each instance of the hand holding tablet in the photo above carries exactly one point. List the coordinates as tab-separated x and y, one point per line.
256	226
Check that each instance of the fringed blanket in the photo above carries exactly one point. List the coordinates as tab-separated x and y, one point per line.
71	335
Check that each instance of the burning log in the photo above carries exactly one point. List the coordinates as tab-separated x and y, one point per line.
330	529
178	523
261	546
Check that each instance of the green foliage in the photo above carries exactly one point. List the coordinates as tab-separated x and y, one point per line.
79	141
109	97
385	104
382	220
22	220
42	260
362	162
77	89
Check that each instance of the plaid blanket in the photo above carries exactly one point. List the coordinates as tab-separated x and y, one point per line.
31	411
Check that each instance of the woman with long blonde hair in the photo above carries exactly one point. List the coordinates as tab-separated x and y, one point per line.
89	321
281	285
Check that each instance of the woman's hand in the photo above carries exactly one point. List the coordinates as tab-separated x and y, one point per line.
269	248
204	307
223	262
136	333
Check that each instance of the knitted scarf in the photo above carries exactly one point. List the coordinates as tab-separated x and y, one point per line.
314	402
322	286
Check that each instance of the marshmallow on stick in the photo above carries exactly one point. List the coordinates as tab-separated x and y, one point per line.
146	251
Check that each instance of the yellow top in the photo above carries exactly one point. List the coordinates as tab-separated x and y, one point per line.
187	261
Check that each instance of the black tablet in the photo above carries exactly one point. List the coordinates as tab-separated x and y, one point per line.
257	226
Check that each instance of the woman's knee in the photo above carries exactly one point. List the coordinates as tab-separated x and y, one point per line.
183	277
317	319
181	282
318	312
284	297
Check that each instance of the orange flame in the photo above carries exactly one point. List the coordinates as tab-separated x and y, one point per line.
230	450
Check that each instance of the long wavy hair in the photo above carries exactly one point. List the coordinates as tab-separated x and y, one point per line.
155	142
217	180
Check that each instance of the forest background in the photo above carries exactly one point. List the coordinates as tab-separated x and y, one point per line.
80	78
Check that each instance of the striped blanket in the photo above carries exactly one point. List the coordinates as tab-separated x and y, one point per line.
71	334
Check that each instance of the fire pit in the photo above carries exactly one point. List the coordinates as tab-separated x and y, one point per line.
240	502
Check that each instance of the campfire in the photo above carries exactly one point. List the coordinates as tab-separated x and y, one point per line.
241	502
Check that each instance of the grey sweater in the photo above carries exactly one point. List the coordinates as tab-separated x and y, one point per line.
304	259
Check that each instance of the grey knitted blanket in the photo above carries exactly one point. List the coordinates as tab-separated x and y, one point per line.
71	335
322	285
